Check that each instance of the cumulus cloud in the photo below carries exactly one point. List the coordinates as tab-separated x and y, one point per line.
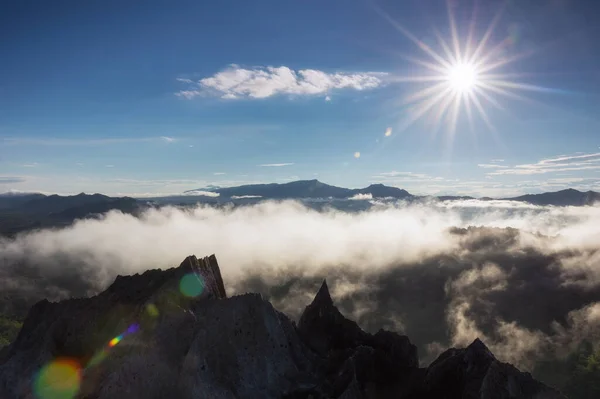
202	193
236	82
522	277
362	197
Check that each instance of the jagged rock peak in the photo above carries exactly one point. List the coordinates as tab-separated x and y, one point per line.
477	346
323	298
209	269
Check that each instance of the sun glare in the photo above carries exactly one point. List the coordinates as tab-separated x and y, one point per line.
462	77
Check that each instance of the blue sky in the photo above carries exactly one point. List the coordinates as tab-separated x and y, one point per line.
162	97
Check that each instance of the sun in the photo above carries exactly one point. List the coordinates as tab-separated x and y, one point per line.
463	74
462	77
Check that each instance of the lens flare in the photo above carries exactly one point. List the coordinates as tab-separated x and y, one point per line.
191	285
152	310
462	75
59	379
101	355
115	341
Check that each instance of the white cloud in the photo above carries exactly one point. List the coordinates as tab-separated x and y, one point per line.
491	166
359	197
76	142
357	154
203	193
245	196
563	163
262	82
275	165
30	165
327	98
11	179
168	139
219	173
497	160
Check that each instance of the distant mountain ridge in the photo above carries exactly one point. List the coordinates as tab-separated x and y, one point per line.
316	189
30	211
568	197
305	189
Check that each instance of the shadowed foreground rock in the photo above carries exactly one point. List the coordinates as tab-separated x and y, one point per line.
175	334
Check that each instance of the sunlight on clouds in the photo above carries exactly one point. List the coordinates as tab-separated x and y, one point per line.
236	82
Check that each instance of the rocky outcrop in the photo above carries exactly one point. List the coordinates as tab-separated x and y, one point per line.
175	334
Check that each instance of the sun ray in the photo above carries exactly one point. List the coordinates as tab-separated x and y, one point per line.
462	78
425	93
454	33
486	36
445	47
469	110
482	113
469	42
488	98
415	40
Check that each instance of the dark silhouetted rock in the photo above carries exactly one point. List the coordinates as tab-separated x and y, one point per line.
175	334
474	372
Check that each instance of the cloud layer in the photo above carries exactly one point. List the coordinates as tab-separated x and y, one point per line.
564	163
524	278
236	82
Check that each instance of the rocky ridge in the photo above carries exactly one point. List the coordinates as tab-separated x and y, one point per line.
175	333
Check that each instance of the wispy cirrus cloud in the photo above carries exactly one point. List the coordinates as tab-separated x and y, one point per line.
11	179
83	141
405	177
562	163
491	166
275	165
168	139
236	82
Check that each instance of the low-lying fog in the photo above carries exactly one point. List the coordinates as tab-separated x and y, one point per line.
526	279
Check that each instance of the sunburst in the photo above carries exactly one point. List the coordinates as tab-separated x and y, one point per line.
461	76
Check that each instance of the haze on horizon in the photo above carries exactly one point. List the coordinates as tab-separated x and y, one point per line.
436	97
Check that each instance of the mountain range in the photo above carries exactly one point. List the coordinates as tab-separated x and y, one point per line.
22	212
302	189
305	189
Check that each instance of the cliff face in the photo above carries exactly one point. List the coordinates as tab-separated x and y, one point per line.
175	334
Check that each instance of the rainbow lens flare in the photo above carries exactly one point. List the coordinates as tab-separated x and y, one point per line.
59	379
191	285
115	340
152	310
